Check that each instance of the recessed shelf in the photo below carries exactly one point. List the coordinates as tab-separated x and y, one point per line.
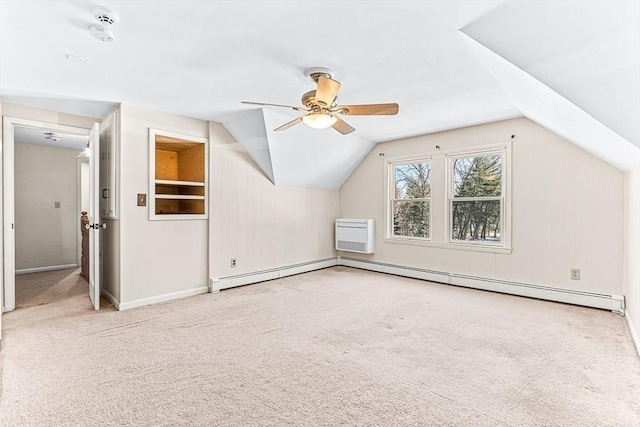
178	181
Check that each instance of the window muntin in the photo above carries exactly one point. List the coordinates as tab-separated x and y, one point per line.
477	200
410	199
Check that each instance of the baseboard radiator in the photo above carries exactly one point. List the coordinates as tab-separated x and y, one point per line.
615	303
270	274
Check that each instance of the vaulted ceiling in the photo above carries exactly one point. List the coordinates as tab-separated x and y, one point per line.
572	66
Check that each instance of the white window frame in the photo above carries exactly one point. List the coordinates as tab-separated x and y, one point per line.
504	150
390	197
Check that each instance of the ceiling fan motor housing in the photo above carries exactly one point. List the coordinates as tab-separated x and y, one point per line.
316	72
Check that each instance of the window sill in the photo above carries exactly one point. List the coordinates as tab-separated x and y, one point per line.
451	246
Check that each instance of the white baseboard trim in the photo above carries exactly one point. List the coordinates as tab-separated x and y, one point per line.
47	268
632	331
111	299
614	303
163	298
274	273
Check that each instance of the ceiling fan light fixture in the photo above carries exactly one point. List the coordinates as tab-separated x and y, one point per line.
52	136
319	120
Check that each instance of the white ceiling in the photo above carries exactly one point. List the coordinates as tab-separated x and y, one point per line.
32	135
200	59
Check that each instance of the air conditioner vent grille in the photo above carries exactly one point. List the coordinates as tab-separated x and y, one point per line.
344	245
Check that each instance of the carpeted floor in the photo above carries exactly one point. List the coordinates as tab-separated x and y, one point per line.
338	346
49	287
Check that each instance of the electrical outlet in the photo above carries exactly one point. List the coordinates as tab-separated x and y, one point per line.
233	262
56	205
575	274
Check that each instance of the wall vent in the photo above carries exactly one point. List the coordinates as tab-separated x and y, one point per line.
355	235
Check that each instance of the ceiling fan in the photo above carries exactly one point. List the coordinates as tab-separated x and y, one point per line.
321	109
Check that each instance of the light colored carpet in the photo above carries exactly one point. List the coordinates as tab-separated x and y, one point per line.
49	287
338	346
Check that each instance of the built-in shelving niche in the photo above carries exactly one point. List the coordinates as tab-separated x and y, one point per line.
178	176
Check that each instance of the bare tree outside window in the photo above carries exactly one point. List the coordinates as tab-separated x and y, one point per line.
477	199
410	202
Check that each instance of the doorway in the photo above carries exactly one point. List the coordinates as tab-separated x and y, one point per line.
45	174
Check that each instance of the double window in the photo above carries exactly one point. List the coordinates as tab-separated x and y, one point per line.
469	204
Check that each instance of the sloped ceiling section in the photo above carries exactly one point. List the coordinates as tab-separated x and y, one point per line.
581	82
297	157
551	110
248	129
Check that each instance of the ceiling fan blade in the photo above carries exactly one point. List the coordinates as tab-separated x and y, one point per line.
275	105
342	126
366	110
327	90
289	124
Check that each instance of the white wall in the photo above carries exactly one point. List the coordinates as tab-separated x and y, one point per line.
567	210
262	225
45	236
156	257
47	116
632	252
259	224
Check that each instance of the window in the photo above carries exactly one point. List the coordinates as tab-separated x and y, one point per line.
410	199
476	203
456	199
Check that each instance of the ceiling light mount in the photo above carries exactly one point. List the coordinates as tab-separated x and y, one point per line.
316	72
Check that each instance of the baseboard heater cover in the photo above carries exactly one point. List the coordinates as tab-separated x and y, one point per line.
272	273
615	303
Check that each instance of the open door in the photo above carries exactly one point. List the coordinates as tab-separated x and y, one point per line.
94	217
1	238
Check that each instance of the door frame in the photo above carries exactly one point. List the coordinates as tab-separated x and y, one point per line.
8	199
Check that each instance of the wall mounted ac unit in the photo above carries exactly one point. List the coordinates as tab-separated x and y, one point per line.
355	235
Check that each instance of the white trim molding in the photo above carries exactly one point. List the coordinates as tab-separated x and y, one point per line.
274	273
614	303
162	298
111	299
47	268
634	334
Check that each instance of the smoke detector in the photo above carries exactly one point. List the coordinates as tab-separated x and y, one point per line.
105	16
101	33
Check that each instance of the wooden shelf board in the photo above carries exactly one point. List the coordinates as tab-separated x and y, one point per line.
179	197
184	183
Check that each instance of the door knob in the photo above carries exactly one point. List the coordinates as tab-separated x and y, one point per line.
96	226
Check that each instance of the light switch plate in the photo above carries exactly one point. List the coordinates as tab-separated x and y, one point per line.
142	200
56	205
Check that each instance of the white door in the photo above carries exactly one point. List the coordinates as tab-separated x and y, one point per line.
1	237
94	217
